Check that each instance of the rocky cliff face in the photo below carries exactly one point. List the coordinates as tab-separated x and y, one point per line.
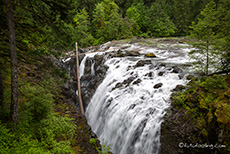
196	121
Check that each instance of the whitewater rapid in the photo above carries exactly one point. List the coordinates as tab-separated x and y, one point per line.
127	108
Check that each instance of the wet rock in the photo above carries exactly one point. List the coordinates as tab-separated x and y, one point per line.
179	88
161	73
137	81
101	70
129	80
150	55
99	59
118	85
141	63
189	77
150	74
83	50
108	103
135	40
132	53
132	106
156	86
150	111
123	53
162	65
125	82
89	83
176	69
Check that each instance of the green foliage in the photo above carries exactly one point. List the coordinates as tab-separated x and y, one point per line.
92	141
207	101
108	23
134	17
52	135
159	23
57	126
205	32
38	104
212	83
104	148
83	36
223	36
139	17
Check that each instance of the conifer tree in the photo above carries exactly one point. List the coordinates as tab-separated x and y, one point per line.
223	36
205	32
83	35
13	57
159	22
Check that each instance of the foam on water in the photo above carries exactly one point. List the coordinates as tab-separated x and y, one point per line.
126	110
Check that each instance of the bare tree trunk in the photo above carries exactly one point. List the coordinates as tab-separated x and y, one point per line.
79	83
13	56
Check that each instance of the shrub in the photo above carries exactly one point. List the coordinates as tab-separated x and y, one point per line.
38	103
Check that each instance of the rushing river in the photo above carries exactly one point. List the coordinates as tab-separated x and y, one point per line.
127	108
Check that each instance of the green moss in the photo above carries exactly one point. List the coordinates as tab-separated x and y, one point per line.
206	100
150	55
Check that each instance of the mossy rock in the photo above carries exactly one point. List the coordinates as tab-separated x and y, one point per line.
151	55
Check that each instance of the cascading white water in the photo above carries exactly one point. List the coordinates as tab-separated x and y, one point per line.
126	110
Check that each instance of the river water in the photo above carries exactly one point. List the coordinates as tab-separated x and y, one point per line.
127	108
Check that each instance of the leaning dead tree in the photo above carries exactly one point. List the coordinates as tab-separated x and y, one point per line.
79	83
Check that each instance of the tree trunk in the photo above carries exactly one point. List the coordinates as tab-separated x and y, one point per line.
207	50
1	91
207	58
79	83
13	56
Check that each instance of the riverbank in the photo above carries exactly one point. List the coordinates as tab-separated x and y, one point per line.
198	119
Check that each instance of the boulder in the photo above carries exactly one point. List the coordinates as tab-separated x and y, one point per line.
161	73
141	63
176	69
150	55
158	85
137	81
179	88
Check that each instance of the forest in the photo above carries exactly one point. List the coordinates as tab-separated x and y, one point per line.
35	113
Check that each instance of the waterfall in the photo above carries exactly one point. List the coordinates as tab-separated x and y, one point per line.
127	108
92	68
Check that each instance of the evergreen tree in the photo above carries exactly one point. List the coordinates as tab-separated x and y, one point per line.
159	22
14	62
83	35
223	36
181	16
134	18
138	16
108	23
205	32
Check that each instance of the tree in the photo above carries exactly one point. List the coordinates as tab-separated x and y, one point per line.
83	35
13	56
223	36
159	22
134	17
108	22
181	16
205	32
42	27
